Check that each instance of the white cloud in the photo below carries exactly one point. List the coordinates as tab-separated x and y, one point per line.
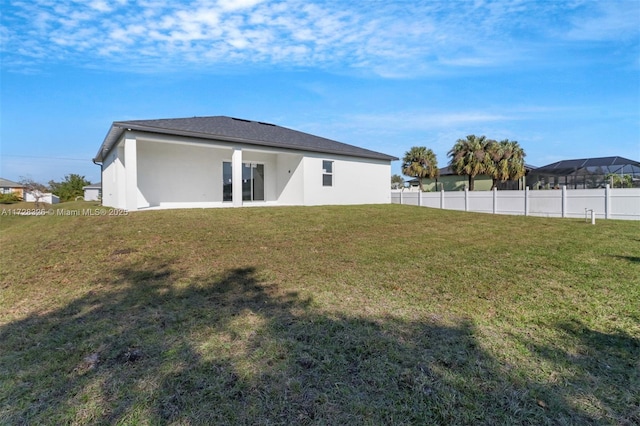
237	4
608	20
393	39
426	120
100	5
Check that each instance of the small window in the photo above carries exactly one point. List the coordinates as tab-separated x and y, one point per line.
327	173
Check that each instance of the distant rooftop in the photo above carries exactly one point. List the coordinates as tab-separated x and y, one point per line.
230	129
600	165
6	183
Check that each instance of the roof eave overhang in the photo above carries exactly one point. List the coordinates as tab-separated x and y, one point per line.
112	137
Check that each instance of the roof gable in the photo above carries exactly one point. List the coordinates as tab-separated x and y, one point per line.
236	130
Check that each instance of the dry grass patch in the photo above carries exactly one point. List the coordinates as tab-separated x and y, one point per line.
339	315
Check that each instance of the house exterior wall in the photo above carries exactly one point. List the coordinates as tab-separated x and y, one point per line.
46	197
170	173
457	183
108	178
146	171
12	190
92	194
290	179
113	178
355	181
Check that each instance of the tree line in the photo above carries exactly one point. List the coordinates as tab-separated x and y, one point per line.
472	156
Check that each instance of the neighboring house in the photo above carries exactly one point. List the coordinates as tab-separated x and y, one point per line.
450	181
223	161
584	173
93	192
41	197
9	187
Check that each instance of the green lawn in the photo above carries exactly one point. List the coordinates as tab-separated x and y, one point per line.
319	315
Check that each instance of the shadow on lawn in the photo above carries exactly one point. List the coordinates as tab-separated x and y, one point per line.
152	344
632	259
602	369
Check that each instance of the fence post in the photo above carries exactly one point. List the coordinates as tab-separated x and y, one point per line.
466	199
442	198
564	200
401	197
526	201
419	198
607	202
495	200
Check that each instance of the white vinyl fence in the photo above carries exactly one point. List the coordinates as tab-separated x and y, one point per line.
606	203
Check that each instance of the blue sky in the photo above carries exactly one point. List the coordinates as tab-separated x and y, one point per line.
560	77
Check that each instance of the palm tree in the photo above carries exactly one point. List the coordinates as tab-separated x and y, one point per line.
507	161
498	166
420	162
470	157
516	160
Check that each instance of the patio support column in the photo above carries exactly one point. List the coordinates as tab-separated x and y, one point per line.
236	168
131	173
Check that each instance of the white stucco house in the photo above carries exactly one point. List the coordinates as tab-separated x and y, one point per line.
92	192
229	162
41	197
10	187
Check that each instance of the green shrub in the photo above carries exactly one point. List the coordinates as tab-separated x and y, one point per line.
9	198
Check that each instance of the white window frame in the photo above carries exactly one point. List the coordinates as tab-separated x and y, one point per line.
326	173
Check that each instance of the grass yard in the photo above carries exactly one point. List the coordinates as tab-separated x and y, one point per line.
319	315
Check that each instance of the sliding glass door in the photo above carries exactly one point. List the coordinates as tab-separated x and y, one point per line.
252	182
227	182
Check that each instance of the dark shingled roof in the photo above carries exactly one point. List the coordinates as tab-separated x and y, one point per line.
230	129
